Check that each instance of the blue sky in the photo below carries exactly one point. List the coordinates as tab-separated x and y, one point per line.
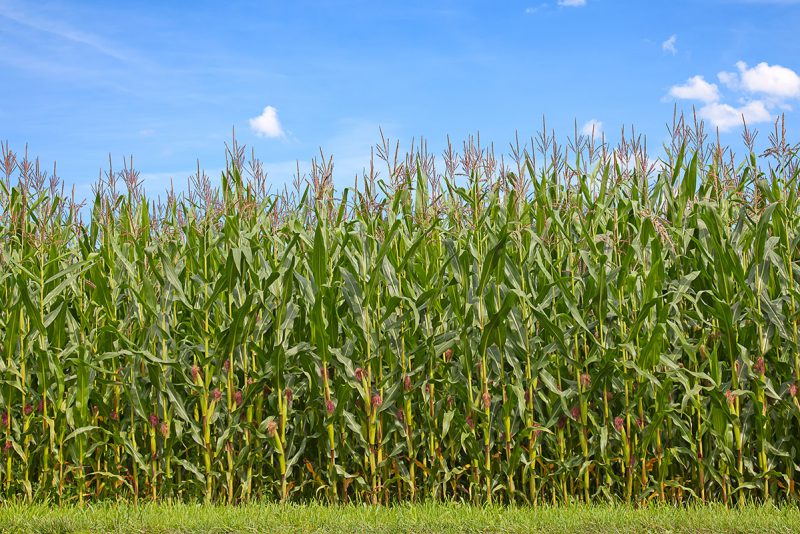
167	81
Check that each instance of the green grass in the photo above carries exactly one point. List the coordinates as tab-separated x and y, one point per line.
404	518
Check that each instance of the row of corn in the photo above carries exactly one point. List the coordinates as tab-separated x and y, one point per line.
578	324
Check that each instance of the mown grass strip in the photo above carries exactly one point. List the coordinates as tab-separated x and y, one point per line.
166	517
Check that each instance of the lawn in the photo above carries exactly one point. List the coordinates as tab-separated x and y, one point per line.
403	518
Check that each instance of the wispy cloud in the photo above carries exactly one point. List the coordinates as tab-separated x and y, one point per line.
670	45
572	3
350	148
766	2
535	9
592	127
267	124
64	32
48	41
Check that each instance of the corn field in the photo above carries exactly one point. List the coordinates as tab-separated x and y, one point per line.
564	322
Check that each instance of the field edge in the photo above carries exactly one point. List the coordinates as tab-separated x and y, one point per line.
270	517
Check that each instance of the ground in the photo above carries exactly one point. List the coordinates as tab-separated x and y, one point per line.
18	517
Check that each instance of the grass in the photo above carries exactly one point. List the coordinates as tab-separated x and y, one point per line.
167	517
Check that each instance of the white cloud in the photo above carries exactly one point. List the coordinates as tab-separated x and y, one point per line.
759	92
728	79
572	3
669	45
592	126
726	117
535	9
267	124
696	88
771	80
